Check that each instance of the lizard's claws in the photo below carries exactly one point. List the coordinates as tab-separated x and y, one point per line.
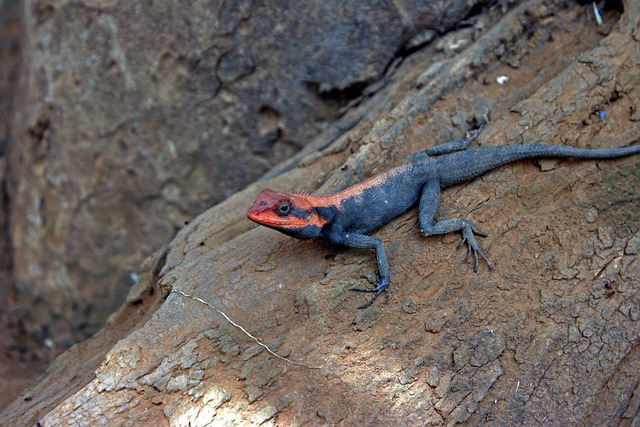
473	247
380	286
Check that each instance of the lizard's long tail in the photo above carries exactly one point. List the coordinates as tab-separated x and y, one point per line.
465	165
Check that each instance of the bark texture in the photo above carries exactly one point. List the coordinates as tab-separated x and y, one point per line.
550	337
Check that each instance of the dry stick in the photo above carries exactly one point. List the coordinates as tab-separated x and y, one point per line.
222	313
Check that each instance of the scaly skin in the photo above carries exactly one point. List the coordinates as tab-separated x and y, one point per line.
346	218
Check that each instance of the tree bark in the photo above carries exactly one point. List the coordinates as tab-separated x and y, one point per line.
549	337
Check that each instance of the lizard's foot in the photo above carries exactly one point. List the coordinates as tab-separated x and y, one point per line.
473	247
380	286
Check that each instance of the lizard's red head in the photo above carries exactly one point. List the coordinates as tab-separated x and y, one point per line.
280	210
292	214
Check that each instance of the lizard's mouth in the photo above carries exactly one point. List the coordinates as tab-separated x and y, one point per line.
266	219
274	221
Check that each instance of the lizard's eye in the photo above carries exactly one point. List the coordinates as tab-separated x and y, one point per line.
283	209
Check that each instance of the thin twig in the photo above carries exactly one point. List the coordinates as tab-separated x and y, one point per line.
223	314
604	267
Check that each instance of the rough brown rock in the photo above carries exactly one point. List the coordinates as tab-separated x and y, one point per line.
19	367
9	59
550	337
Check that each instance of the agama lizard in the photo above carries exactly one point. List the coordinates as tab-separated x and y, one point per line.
346	217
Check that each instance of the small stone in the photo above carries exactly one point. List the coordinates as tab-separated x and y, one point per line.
265	415
433	376
215	397
251	352
177	383
633	245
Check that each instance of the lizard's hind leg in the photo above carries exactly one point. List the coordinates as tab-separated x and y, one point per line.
429	201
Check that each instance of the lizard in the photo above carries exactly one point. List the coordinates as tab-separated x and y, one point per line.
348	216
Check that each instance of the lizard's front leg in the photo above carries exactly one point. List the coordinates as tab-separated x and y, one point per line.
362	241
429	201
